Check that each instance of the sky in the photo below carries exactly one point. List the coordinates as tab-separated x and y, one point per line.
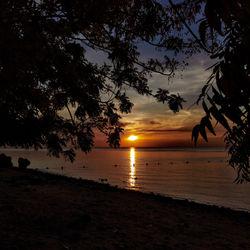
156	125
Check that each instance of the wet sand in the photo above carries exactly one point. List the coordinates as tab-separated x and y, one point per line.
45	211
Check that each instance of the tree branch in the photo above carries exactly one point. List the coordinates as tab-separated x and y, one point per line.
189	29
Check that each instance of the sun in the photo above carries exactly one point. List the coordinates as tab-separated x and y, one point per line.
132	138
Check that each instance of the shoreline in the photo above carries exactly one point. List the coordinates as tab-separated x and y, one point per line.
140	190
116	187
48	211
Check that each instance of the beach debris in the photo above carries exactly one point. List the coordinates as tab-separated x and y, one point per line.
23	163
5	161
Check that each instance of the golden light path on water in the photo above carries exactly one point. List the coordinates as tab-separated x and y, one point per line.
132	167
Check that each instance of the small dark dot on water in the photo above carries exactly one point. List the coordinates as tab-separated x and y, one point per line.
103	180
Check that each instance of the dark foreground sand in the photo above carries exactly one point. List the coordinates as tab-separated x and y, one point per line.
42	211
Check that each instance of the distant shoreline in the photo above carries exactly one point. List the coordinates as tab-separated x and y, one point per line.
46	211
110	148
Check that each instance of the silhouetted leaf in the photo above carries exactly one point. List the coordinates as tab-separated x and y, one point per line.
125	104
69	154
206	122
162	95
216	68
203	91
202	31
210	100
218	98
114	137
205	108
211	15
219	55
175	102
219	117
195	133
203	131
218	81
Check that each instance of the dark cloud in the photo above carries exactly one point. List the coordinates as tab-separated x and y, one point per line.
155	123
125	124
168	130
159	131
147	121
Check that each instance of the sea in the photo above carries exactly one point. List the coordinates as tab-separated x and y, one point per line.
197	174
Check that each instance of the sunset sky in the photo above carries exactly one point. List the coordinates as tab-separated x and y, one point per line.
156	125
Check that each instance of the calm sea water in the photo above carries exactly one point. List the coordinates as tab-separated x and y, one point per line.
201	175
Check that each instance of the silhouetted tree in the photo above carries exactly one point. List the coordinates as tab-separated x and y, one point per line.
224	33
44	69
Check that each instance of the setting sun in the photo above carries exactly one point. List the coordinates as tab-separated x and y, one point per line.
132	138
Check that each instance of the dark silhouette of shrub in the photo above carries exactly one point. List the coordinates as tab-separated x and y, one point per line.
23	163
5	161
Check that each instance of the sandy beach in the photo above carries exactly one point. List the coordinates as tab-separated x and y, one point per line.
45	211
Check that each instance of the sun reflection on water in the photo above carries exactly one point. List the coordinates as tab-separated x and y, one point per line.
132	167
